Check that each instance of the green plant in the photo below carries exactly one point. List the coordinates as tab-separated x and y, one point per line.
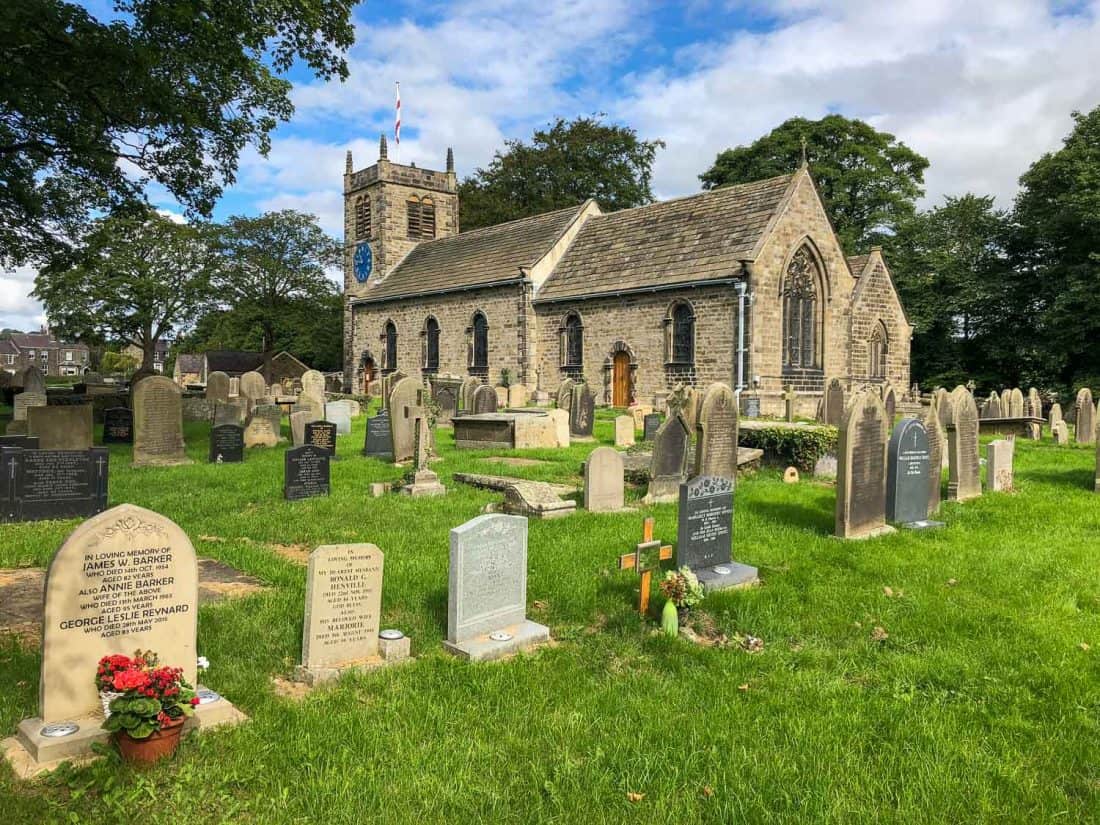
800	446
682	588
152	696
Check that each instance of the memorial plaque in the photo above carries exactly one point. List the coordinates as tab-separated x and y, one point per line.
67	427
343	605
1084	428
403	396
23	442
650	424
705	531
669	465
582	414
321	434
484	400
118	425
834	403
52	484
937	440
226	444
861	468
964	468
488	576
604	486
217	387
305	472
564	396
908	465
377	442
124	580
716	448
158	423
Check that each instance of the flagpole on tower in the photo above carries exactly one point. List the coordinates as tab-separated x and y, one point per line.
397	124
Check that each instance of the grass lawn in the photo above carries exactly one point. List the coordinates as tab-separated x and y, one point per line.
981	705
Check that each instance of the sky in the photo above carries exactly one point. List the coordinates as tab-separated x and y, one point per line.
980	88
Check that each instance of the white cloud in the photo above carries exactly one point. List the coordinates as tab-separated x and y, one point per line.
17	310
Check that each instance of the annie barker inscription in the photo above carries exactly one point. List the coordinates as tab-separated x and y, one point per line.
124	580
343	604
488	576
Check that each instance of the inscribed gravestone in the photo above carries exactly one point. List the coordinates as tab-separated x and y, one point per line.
487	592
624	431
964	468
1035	403
118	425
23	401
517	395
252	389
446	398
50	484
377	442
228	413
890	403
67	427
226	444
704	540
264	426
298	421
1017	402
945	410
561	426
321	434
936	440
1006	403
908	465
834	403
313	384
343	605
604	488
582	414
993	407
998	465
402	429
1055	414
1085	426
305	472
466	393
124	580
669	465
564	396
217	387
158	423
649	426
861	468
484	400
716	448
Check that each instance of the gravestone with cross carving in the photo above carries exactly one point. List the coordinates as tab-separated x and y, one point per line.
425	481
647	557
50	484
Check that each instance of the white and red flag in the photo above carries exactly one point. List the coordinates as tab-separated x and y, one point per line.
397	118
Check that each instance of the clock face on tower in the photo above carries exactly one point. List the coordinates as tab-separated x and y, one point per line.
363	262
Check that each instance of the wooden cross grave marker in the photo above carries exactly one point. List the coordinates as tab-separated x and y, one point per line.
646	558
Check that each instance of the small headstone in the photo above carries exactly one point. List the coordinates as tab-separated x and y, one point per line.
1059	432
750	405
484	400
582	413
402	430
229	412
305	472
651	423
487	593
339	413
517	395
313	384
790	475
993	407
624	431
716	448
861	468
936	455
564	396
377	442
52	484
217	387
705	534
67	427
226	444
998	464
502	397
1084	430
298	421
1055	414
669	466
945	409
561	426
1006	403
158	423
321	434
1017	403
908	465
253	388
445	396
1035	403
604	487
264	426
964	481
466	393
234	386
834	403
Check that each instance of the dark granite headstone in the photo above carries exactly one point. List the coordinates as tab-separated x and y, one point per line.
650	424
226	444
118	425
484	400
23	442
704	540
377	442
49	484
306	472
582	413
908	463
322	434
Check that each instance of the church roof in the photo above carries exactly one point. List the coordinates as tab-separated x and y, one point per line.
697	238
479	257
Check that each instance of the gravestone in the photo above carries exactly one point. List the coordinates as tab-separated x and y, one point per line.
118	425
937	440
993	407
264	426
52	484
23	401
502	397
402	430
305	472
1017	403
564	396
466	393
890	402
604	485
1055	414
484	400
861	468
705	534
1006	403
649	426
684	400
998	464
234	386
669	466
298	421
377	443
790	400
1059	432
582	414
23	442
321	434
66	427
908	467
716	447
158	423
1084	430
561	426
217	387
517	395
339	413
624	431
253	388
834	403
226	444
425	482
964	467
487	590
445	395
1035	403
34	381
313	384
944	406
750	406
229	412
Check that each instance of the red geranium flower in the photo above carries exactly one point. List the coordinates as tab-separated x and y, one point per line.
130	679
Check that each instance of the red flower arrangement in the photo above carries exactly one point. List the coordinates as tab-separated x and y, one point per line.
152	697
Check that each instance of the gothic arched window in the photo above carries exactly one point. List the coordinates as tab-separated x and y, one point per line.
800	299
479	351
572	341
391	345
680	334
877	350
362	218
431	344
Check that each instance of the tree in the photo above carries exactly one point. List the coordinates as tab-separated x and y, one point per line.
1057	251
272	274
117	363
136	277
168	91
868	180
564	165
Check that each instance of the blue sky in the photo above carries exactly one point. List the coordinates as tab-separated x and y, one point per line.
981	88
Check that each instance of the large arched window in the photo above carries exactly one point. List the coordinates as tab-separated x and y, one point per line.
800	306
680	334
479	345
878	348
431	345
362	217
391	345
572	341
420	218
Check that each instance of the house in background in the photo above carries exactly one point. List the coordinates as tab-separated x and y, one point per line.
44	350
188	369
233	362
160	354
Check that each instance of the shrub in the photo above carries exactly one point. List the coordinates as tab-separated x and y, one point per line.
800	446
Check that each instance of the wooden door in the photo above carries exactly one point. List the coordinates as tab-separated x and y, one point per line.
620	380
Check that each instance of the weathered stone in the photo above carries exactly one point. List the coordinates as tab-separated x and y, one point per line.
535	499
624	431
402	433
945	408
964	478
669	466
217	387
890	402
534	431
252	390
993	407
716	448
66	427
604	486
564	395
1084	430
561	426
582	413
313	384
484	400
998	465
937	438
339	413
158	423
1034	403
228	413
639	412
908	467
34	381
466	393
1016	403
650	425
834	403
298	421
227	443
445	393
1055	414
517	395
1059	432
23	401
502	397
861	469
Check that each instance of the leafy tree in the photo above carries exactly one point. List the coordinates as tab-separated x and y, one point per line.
92	108
563	165
1057	252
117	363
869	181
272	277
136	277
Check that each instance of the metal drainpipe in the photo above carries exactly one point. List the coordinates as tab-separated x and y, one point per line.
742	288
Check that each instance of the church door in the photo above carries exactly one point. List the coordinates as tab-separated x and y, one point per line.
368	375
620	380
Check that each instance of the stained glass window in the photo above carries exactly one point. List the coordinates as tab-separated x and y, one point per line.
800	312
481	341
574	341
431	351
683	334
391	345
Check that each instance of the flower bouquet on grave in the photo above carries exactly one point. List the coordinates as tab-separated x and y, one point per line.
682	591
148	707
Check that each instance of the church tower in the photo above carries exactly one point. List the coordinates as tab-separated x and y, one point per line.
388	209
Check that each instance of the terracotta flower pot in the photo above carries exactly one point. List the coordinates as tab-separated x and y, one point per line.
158	745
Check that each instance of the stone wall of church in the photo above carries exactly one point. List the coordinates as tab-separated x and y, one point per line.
876	301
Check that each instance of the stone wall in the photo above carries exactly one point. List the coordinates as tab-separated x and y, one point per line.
875	302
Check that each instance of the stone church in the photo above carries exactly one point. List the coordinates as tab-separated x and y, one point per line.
746	285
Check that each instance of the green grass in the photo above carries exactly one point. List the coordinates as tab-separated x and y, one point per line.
980	706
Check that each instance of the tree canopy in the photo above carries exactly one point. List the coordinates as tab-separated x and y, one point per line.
869	180
563	165
164	91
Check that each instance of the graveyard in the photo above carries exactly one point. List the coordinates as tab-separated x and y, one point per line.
930	674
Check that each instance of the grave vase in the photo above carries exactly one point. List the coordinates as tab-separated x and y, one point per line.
156	746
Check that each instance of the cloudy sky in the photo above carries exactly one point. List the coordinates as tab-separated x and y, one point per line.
981	88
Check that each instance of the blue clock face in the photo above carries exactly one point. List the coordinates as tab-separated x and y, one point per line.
364	259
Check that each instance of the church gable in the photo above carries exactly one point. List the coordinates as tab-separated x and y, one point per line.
880	332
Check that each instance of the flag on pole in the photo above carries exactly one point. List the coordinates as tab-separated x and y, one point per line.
397	118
